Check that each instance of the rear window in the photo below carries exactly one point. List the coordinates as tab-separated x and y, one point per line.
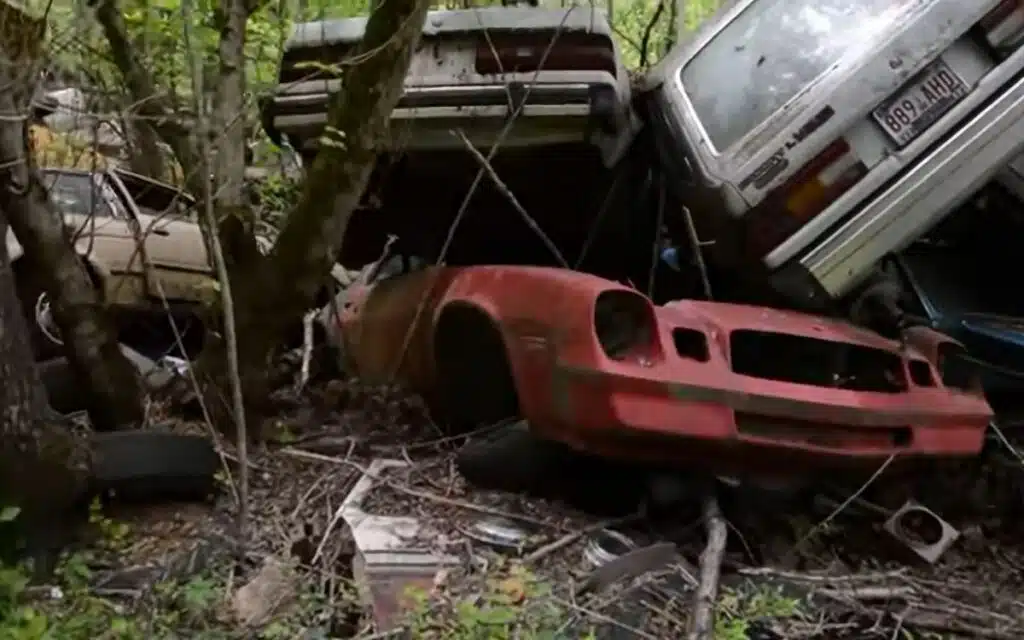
773	50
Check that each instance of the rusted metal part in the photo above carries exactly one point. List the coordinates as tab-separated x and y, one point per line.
730	386
373	319
922	531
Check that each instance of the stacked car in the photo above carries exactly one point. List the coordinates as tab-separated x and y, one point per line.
788	158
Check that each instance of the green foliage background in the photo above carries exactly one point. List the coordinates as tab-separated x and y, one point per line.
157	28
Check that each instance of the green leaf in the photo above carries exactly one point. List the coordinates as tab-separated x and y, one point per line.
9	513
496	616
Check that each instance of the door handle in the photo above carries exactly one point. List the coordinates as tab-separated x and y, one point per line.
160	232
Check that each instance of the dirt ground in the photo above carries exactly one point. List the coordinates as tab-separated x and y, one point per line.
816	566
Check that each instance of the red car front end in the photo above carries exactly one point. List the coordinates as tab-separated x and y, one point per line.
739	389
751	387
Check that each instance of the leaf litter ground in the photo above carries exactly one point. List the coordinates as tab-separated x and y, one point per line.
845	578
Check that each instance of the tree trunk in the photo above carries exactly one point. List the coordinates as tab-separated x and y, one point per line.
149	103
144	154
43	468
229	117
274	296
236	224
357	123
112	389
235	220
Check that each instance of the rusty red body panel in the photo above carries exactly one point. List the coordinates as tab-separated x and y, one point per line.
679	397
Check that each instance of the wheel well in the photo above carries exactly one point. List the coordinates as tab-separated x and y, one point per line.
475	376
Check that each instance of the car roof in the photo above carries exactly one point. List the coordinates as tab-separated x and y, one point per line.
491	19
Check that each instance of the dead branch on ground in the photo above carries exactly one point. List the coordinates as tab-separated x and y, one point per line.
702	620
415	493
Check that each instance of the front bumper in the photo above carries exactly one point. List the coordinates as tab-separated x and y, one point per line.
702	413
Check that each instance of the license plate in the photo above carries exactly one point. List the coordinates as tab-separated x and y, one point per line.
920	103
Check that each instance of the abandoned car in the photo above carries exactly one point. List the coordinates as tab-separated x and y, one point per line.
550	82
472	70
139	241
812	139
106	212
595	365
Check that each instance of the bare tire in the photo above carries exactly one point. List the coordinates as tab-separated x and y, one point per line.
511	459
153	465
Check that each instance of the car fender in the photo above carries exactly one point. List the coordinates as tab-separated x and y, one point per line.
555	298
539	312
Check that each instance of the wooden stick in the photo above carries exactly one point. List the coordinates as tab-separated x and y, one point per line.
702	622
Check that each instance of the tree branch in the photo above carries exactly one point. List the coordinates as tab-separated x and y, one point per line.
358	120
645	42
141	85
702	620
150	103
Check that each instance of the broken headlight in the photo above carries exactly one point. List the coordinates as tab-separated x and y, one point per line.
625	326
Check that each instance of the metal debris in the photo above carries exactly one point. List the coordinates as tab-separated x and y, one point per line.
605	546
500	533
388	559
632	564
922	531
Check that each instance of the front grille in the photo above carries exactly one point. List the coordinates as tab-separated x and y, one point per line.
816	362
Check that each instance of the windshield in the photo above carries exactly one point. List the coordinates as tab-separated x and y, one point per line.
76	194
156	198
773	50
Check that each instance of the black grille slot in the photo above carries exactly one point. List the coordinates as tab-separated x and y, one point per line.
816	362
